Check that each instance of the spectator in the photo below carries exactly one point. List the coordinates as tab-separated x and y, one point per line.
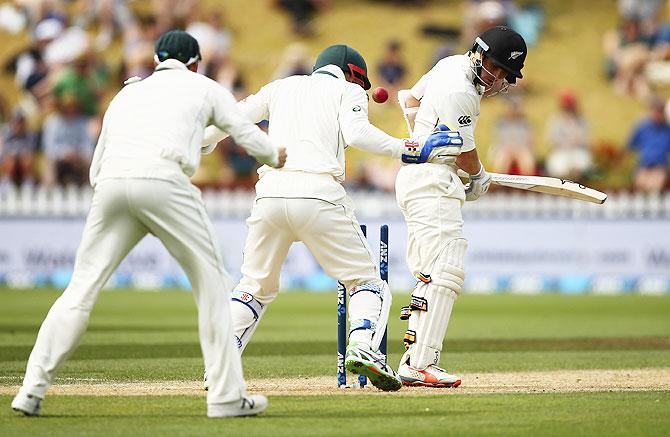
512	150
86	80
174	14
392	68
643	11
213	36
27	62
651	141
295	61
67	142
627	52
480	15
110	15
568	136
138	47
17	151
302	12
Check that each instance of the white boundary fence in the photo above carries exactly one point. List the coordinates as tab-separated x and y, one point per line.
519	242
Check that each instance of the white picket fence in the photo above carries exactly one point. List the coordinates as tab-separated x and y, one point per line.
74	202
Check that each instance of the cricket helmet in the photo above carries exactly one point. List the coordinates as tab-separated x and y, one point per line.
506	49
348	59
179	45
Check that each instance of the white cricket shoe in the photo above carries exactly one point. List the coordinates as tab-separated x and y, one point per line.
250	405
361	359
28	404
431	376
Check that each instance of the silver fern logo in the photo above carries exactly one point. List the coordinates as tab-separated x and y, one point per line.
514	55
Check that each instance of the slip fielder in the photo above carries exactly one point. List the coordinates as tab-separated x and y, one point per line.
431	195
149	147
316	117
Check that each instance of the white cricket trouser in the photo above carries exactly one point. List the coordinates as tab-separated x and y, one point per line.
332	234
430	197
330	231
122	212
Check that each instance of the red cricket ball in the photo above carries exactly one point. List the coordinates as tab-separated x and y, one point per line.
380	95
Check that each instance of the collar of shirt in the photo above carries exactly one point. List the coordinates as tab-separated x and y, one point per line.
331	70
171	64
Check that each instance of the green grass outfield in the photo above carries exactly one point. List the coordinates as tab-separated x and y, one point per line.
152	337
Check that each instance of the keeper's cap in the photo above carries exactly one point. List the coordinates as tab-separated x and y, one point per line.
349	61
179	45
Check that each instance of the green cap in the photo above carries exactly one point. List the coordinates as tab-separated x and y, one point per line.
179	45
348	59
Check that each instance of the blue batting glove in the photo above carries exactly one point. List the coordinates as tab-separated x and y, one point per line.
441	143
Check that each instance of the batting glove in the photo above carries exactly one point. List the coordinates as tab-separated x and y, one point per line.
479	184
437	146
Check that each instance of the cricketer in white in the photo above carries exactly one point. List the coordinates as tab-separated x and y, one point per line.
148	148
316	117
431	195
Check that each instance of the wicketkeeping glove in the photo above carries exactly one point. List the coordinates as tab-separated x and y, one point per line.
439	144
479	184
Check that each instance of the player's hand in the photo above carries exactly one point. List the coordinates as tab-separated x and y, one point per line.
479	184
439	147
281	157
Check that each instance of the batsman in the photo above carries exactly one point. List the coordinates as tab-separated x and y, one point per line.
431	195
316	117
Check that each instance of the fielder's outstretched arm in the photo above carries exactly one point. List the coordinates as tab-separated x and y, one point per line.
357	130
228	118
254	108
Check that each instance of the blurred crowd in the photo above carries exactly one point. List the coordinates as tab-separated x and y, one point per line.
637	62
81	51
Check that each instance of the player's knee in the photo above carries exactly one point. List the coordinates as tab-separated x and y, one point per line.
377	288
448	271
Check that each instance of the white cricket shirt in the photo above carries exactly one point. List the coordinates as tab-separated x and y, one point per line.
448	96
315	117
153	128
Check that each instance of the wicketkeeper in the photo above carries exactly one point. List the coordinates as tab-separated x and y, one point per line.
316	117
149	147
431	195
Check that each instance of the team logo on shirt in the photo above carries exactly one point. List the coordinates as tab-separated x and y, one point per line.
464	120
357	108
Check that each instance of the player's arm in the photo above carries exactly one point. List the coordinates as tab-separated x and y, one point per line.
254	108
469	162
410	100
228	118
359	132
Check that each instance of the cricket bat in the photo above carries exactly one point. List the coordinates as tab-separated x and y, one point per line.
547	185
539	184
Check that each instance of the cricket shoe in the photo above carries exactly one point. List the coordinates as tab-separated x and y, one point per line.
431	376
361	359
28	404
249	405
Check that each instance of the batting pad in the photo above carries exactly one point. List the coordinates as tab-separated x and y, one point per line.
369	302
439	296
